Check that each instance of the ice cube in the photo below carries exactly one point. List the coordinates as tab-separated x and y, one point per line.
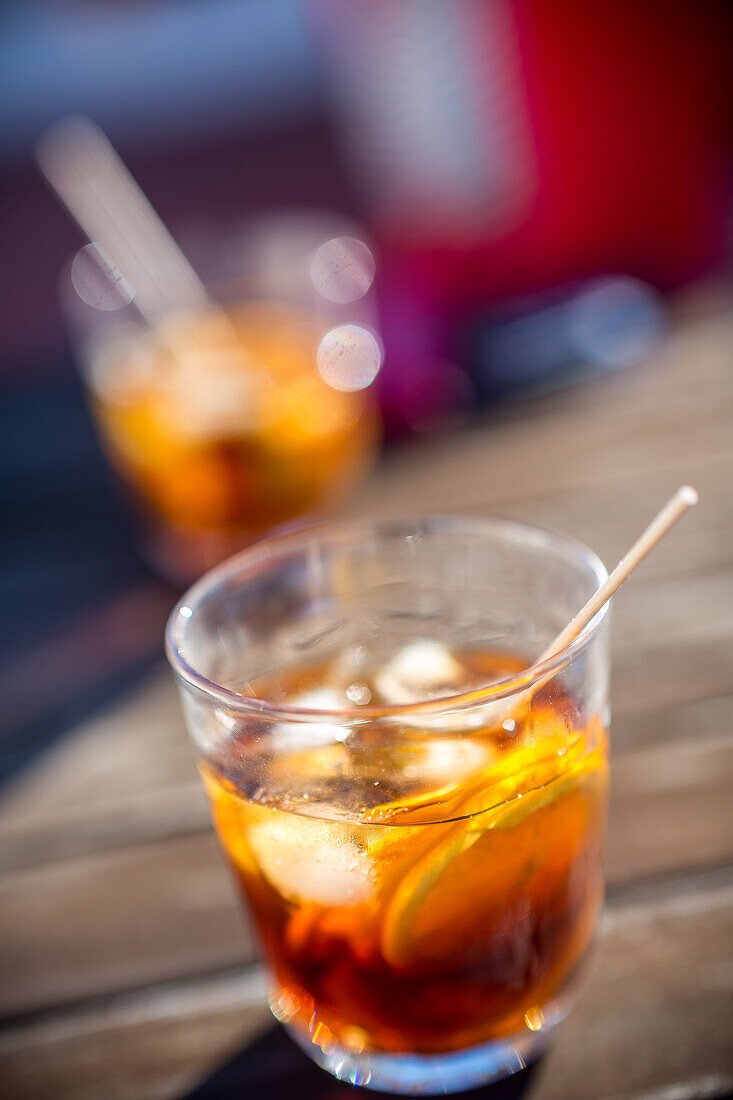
288	735
425	670
211	393
320	698
310	860
450	760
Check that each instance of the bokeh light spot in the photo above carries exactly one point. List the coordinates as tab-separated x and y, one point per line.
349	357
98	282
342	269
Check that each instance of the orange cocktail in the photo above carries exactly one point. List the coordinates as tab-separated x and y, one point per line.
447	898
417	826
221	427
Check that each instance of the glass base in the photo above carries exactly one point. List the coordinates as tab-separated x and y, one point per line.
431	1074
180	556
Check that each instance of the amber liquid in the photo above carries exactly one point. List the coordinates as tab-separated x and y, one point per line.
221	429
448	899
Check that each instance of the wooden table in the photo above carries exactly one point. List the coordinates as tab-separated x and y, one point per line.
126	969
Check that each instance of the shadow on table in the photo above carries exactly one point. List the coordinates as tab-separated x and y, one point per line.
274	1068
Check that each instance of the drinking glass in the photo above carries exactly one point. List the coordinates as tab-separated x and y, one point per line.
415	816
224	424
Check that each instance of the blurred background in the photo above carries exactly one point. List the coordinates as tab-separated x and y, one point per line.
450	254
518	190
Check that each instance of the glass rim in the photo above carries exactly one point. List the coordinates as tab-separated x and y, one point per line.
248	562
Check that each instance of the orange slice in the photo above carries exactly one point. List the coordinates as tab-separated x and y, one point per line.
428	889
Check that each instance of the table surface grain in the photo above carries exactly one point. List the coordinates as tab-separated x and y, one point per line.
126	968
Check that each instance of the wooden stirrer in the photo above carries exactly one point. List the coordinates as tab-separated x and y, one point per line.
666	517
98	191
506	709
